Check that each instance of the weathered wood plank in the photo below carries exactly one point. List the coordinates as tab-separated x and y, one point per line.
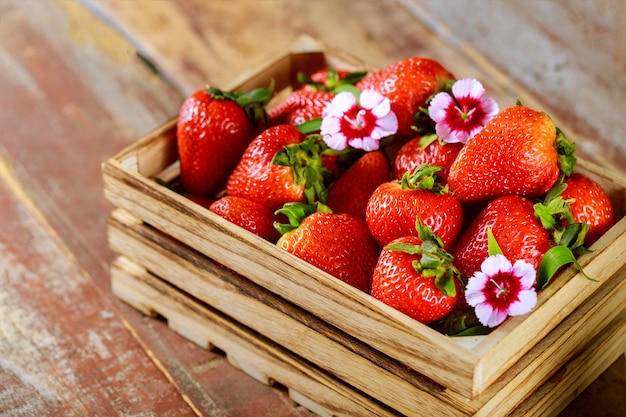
579	84
74	93
63	348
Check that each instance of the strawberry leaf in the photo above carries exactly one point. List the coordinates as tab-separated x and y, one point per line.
554	259
310	126
565	150
426	140
434	262
461	323
295	213
492	244
424	177
445	283
252	102
305	159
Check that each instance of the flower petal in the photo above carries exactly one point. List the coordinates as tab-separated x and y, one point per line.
527	300
490	108
468	88
495	264
371	99
439	106
341	103
474	290
488	316
526	274
367	144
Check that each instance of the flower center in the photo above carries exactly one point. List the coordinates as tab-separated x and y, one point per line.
502	289
357	123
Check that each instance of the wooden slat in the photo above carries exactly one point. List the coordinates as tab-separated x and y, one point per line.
264	264
244	301
64	349
258	356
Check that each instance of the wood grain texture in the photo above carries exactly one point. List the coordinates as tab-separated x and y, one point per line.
74	92
569	56
78	87
468	372
307	336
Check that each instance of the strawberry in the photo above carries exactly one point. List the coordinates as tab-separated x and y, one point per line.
591	205
352	190
416	276
299	107
308	102
252	216
394	206
256	178
517	230
330	80
214	128
514	154
328	241
422	150
408	84
281	165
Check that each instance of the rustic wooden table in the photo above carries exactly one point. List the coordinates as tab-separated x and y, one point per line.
80	80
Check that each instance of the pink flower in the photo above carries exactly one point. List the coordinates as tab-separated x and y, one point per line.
461	115
501	289
360	125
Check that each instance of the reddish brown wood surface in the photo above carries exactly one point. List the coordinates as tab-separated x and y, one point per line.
75	89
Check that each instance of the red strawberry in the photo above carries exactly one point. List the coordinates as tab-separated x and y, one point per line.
252	216
202	201
256	178
329	79
425	291
352	190
591	205
417	152
407	84
394	206
514	154
515	227
281	166
339	244
299	107
214	128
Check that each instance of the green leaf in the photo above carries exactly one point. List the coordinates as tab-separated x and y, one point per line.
426	140
295	213
554	259
310	126
445	283
461	323
305	159
492	244
565	150
404	247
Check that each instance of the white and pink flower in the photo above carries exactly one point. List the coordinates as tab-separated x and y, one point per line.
360	125
501	289
460	116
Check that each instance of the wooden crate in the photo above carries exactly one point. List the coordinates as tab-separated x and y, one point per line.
413	366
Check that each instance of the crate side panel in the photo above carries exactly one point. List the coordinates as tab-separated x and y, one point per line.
273	362
352	361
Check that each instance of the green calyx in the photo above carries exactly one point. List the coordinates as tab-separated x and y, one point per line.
305	159
565	150
568	236
424	177
296	212
252	102
461	323
435	262
334	84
